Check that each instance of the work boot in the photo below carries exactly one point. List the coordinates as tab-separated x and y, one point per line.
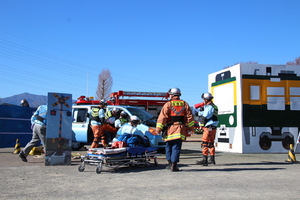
203	162
174	167
23	157
212	160
170	164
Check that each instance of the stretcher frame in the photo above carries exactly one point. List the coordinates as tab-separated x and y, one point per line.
115	161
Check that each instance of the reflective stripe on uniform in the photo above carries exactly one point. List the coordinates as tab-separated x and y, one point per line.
175	137
159	125
191	124
177	103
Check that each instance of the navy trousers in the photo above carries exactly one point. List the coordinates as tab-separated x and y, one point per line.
173	149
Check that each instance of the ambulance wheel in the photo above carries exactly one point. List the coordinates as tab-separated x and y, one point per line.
76	146
99	168
81	167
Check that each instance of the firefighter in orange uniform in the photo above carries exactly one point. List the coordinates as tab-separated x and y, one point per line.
177	119
209	122
97	116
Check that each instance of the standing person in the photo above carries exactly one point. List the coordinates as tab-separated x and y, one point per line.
209	123
38	121
97	117
176	116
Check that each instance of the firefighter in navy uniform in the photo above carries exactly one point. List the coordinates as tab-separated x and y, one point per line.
97	117
177	119
209	123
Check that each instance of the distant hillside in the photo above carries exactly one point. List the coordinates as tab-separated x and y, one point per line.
33	99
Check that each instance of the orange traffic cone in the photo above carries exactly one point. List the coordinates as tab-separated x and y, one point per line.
17	147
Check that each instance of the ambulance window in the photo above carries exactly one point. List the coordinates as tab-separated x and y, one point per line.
254	92
79	114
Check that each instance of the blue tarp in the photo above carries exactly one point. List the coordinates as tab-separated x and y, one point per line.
15	124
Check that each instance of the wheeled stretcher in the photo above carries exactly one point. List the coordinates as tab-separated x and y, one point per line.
118	157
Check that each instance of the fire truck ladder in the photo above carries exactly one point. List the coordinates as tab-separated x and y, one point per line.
140	94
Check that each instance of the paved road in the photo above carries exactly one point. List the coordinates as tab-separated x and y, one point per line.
236	176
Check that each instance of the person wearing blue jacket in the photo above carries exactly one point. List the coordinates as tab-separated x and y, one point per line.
38	121
209	122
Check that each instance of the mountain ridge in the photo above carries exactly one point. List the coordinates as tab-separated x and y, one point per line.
33	99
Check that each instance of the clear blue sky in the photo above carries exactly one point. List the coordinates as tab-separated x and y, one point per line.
148	45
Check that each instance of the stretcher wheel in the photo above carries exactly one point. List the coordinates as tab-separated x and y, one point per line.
99	168
81	167
155	162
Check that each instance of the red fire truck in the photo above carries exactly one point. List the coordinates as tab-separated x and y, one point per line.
151	102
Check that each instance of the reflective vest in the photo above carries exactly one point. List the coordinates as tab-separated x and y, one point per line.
95	114
215	115
177	115
214	118
177	111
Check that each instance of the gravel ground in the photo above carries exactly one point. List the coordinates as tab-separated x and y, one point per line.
235	176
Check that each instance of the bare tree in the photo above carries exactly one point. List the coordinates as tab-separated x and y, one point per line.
295	62
105	82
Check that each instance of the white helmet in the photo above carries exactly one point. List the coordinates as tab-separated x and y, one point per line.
124	114
103	102
115	109
134	118
207	96
175	92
